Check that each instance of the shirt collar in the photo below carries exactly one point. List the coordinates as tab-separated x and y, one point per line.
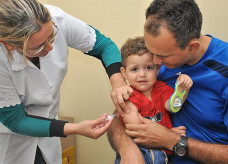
18	63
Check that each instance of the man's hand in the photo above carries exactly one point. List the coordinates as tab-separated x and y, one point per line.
152	135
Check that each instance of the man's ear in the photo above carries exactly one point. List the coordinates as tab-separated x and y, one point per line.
123	71
193	46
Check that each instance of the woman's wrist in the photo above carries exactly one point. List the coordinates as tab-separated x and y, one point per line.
70	128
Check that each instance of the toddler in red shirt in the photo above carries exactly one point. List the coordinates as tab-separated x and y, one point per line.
151	97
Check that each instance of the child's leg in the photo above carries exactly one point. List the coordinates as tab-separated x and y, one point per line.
117	161
152	156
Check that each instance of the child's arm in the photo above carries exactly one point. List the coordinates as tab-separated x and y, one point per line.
185	83
180	130
133	116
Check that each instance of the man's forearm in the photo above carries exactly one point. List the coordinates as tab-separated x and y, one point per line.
207	153
117	137
202	152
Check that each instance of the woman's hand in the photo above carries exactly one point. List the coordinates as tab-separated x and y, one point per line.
119	95
120	92
89	128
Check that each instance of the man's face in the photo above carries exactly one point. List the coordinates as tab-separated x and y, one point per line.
165	49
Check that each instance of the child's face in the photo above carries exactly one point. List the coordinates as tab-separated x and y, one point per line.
140	72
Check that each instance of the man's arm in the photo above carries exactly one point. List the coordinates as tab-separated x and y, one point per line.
154	135
207	153
123	144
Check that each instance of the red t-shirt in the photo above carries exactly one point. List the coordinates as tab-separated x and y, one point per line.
160	93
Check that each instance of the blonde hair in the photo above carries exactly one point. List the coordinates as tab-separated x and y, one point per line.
19	19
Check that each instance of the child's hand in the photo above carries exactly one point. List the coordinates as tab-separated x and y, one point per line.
180	129
185	82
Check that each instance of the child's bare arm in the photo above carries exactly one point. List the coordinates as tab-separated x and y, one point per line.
133	116
167	105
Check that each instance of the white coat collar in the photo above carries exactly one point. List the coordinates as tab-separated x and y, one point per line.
18	63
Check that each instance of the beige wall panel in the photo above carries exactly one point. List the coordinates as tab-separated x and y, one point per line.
215	16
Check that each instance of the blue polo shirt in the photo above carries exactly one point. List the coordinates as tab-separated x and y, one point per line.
204	113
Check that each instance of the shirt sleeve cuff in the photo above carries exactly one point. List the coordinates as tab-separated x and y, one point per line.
57	128
113	68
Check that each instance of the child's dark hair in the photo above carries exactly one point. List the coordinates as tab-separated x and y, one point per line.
133	46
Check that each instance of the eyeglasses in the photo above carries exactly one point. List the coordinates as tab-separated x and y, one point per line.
50	40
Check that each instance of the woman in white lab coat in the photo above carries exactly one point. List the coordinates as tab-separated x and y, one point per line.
34	42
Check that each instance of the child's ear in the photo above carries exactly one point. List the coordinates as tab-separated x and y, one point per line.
123	71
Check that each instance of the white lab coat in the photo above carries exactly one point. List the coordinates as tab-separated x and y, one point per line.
39	89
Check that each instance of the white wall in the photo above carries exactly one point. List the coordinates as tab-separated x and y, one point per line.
85	92
215	16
